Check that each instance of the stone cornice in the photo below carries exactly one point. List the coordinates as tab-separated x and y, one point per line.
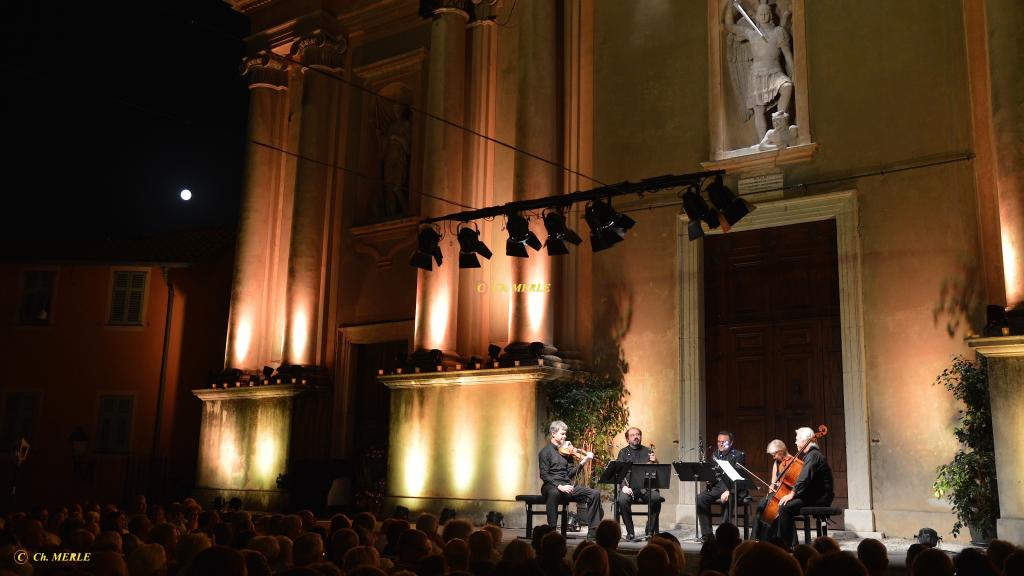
998	346
393	67
320	48
476	377
252	392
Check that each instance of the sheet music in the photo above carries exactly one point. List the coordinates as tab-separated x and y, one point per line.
729	470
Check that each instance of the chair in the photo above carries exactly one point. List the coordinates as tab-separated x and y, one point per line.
820	514
532	500
742	513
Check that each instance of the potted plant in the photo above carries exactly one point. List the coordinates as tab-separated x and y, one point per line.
969	481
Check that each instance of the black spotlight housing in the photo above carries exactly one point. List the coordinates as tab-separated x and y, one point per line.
469	246
446	515
732	207
428	247
494	351
697	210
559	234
607	227
520	236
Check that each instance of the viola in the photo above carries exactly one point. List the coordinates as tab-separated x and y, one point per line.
788	475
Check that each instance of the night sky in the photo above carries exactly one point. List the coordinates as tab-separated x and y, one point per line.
110	109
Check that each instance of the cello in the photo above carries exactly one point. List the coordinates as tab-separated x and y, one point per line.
786	481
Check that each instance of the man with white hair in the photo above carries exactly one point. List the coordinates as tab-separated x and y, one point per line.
813	486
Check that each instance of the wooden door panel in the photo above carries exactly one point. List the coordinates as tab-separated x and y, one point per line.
774	347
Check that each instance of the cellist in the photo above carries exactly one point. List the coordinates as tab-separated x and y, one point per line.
780	458
812	488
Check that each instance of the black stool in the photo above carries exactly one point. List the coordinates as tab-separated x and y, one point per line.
820	514
742	513
532	500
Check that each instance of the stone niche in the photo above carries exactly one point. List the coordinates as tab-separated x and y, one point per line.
467	440
751	72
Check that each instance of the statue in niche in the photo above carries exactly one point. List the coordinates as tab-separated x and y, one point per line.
394	138
753	50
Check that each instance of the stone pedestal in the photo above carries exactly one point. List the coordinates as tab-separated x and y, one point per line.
1005	356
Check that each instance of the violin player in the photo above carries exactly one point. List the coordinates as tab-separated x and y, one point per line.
719	491
812	488
637	453
780	457
558	469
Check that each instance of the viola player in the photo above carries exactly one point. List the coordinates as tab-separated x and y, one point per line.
558	471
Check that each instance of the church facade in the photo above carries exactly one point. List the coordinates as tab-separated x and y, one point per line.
878	148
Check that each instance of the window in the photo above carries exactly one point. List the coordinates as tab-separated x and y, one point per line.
36	297
21	413
128	297
114	429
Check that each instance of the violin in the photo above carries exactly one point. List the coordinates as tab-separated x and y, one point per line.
567	449
788	475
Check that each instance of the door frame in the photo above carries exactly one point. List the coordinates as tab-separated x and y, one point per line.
842	207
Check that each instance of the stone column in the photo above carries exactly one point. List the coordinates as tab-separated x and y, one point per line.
321	56
474	319
437	290
1006	59
537	132
1005	374
249	325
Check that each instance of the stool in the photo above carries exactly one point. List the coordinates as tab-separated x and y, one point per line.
742	513
820	514
532	500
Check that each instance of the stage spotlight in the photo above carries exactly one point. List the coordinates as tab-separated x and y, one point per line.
698	211
235	504
218	503
446	515
401	513
928	537
267	372
427	247
469	246
496	518
519	237
559	234
607	227
732	207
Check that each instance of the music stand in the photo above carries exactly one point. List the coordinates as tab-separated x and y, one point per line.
696	472
615	472
651	477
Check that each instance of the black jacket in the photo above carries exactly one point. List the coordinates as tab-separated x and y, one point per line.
733	456
556	469
639	455
814	484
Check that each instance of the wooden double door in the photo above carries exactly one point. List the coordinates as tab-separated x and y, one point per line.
774	347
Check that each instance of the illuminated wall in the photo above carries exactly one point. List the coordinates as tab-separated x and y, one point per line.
464	436
243	442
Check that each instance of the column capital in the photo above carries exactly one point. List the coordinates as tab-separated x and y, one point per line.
432	8
265	69
320	48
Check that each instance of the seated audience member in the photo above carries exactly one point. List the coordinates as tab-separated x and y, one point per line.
413	547
268	546
912	553
339	521
366	520
360	556
592	561
873	555
308	549
80	540
393	529
538	535
166	535
762	558
218	561
107	563
157	514
366	571
341	541
825	545
676	559
552	555
515	559
284	558
1014	563
932	562
456	528
997	552
481	547
456	553
803	554
291	526
432	565
973	562
148	560
835	564
308	520
255	563
608	536
189	546
652	561
427	523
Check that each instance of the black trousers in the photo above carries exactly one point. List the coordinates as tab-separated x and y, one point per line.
704	501
623	500
787	513
763	531
581	494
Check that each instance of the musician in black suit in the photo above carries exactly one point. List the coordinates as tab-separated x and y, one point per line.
813	486
558	471
719	491
637	453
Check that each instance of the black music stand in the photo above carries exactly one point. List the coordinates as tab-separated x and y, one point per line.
696	472
651	477
615	472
